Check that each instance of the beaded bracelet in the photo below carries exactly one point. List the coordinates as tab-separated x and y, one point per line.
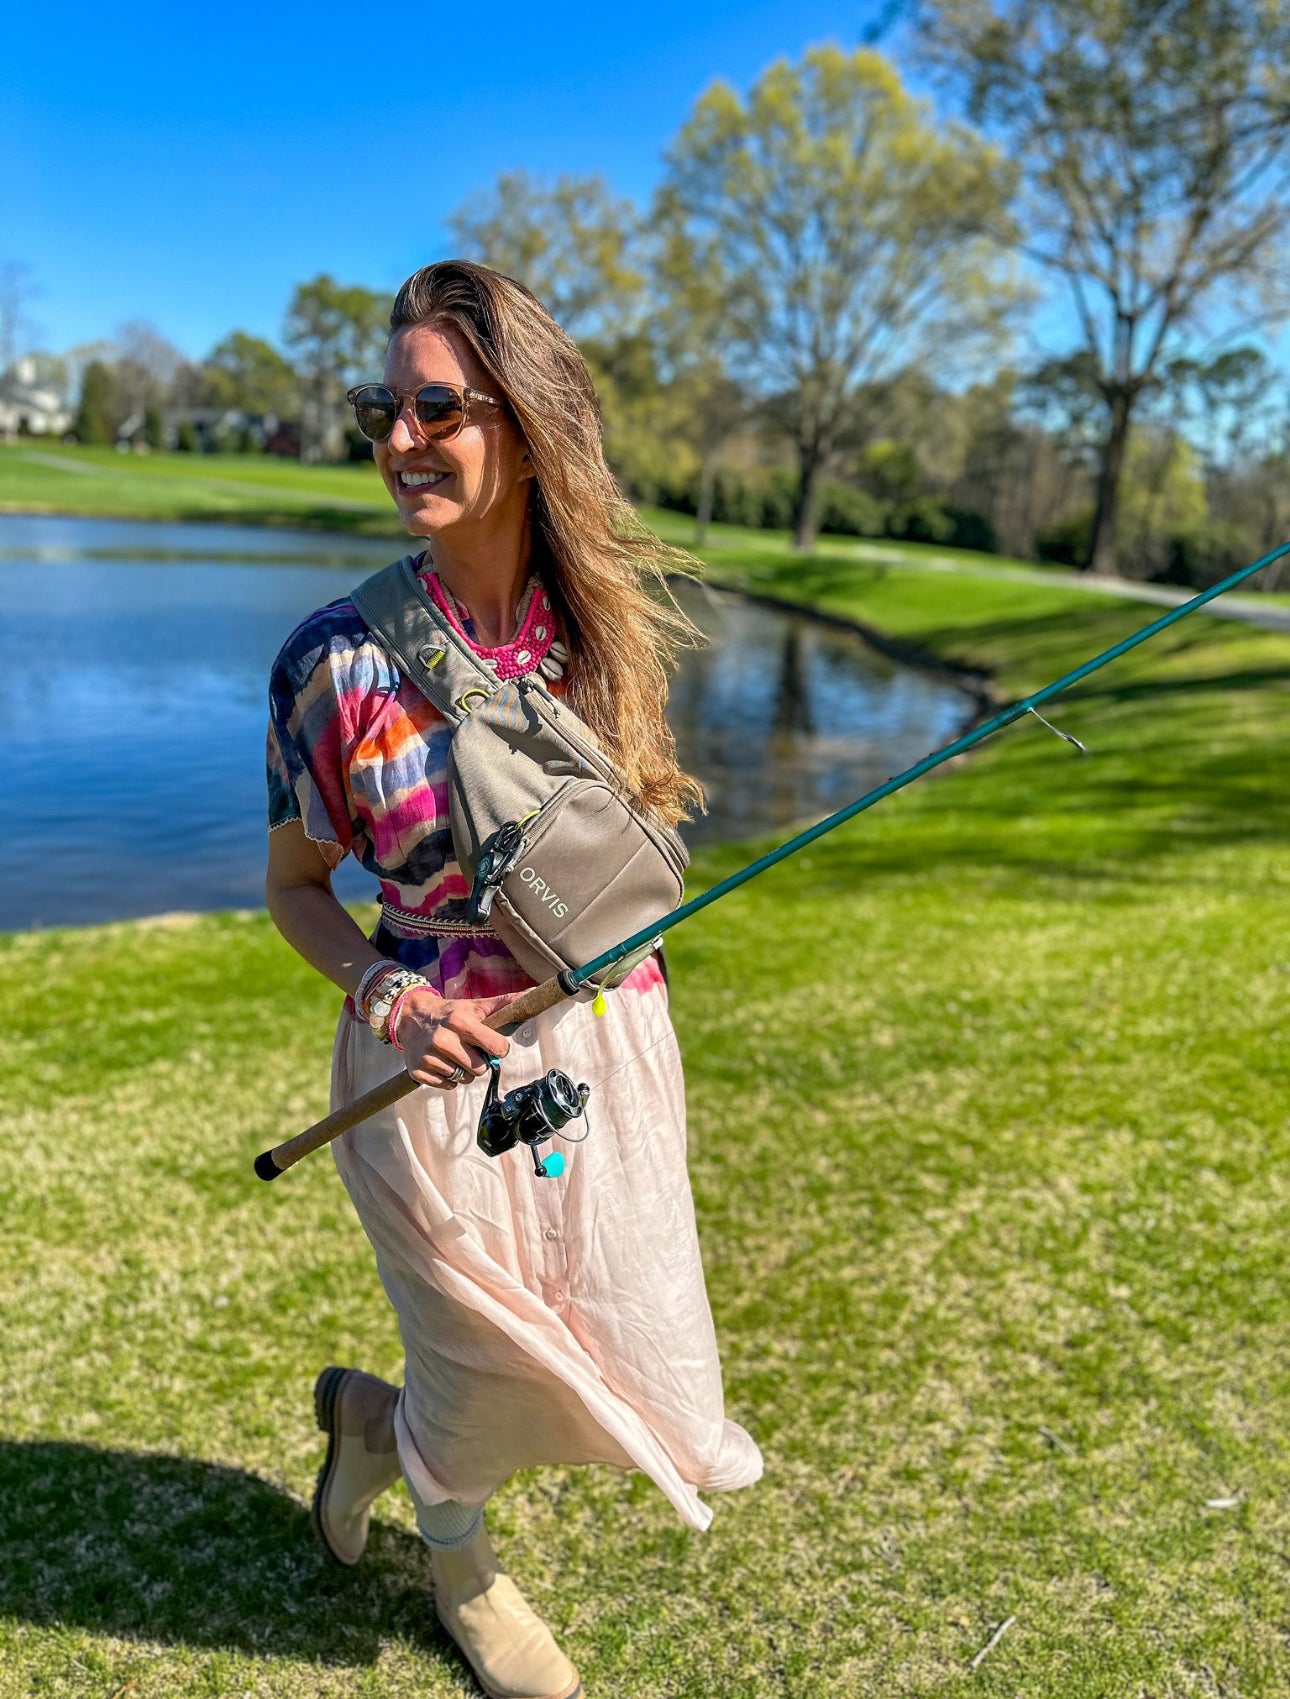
396	1009
382	998
367	984
383	987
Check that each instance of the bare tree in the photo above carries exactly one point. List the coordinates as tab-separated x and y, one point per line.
1154	137
144	373
17	288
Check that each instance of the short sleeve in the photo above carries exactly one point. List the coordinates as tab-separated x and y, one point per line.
306	738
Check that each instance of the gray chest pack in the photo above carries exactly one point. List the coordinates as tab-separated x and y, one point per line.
562	865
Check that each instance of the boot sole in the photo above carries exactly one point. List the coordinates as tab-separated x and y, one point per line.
326	1391
573	1692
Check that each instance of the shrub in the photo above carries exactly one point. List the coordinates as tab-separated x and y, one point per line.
1201	556
764	501
736	499
848	512
95	420
923	520
971	531
1068	541
779	494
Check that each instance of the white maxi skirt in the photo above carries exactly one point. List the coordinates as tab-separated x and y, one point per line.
559	1320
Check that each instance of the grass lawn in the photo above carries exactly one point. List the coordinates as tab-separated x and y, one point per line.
39	477
989	1144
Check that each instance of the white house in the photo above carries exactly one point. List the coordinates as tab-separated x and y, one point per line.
28	408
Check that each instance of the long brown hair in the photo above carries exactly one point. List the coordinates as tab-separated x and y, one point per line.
595	556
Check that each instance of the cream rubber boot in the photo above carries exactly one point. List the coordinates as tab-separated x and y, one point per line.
507	1645
356	1412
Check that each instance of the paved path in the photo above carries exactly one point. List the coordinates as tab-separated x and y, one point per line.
1251	610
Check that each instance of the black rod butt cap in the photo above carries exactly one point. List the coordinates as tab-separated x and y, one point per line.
266	1167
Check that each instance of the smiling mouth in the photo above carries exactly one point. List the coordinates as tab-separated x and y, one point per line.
421	480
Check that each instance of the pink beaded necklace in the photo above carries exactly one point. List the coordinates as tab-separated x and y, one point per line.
534	646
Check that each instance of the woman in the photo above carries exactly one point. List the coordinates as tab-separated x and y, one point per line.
543	1321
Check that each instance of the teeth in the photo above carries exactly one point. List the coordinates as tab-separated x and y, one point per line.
412	480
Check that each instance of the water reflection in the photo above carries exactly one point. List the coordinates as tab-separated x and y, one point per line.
786	719
132	711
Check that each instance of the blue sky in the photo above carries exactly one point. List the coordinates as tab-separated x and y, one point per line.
188	171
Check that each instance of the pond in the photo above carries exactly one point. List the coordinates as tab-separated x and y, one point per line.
132	707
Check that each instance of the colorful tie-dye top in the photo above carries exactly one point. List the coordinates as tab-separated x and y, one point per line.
359	756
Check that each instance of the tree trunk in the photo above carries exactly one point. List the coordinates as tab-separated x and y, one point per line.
707	491
1102	550
806	498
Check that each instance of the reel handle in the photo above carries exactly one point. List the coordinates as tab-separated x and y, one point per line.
270	1163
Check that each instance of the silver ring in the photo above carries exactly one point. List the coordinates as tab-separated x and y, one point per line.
457	1075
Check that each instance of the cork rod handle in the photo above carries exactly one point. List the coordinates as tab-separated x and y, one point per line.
270	1163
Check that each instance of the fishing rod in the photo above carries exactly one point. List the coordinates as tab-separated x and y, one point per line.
567	984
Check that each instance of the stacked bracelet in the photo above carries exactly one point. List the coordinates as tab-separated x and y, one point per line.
375	1001
367	984
396	1009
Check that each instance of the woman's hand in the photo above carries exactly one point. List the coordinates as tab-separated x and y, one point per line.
439	1034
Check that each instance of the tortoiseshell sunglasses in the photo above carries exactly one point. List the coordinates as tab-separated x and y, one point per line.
441	408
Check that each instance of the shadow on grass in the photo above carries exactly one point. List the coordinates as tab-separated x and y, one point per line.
1148	689
166	1548
1108	826
347	521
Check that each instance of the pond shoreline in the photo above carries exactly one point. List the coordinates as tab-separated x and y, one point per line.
786	713
977	682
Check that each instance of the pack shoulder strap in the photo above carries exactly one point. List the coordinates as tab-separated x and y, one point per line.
398	610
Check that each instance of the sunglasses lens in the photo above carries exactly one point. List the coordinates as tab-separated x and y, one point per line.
375	409
439	410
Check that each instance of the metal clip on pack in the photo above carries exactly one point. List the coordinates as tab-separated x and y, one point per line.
498	856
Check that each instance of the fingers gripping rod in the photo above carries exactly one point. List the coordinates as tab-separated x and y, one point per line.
276	1161
270	1163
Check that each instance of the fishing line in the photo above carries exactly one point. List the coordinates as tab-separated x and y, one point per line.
1066	737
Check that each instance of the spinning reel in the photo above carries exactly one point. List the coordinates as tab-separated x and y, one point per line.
529	1115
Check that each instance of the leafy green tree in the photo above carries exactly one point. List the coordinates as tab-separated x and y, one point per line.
1230	401
574	243
248	374
846	228
1154	136
584	253
1164	499
95	417
338	334
693	298
75	361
